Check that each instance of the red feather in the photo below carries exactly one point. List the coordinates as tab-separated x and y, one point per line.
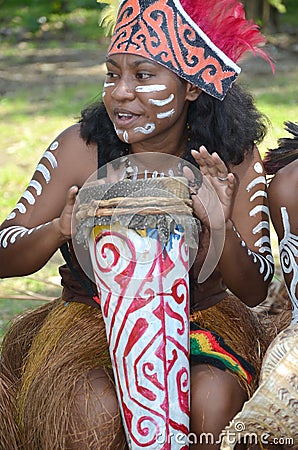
224	22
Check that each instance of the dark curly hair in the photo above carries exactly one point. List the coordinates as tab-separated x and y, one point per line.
230	127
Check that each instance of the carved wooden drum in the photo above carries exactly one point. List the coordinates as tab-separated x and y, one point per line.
140	234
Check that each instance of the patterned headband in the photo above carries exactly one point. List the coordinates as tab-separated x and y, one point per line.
167	32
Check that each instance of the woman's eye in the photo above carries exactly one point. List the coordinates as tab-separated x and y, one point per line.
111	75
143	75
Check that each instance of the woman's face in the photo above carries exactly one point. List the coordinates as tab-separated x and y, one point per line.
144	100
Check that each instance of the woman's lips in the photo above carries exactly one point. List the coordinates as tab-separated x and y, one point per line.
125	117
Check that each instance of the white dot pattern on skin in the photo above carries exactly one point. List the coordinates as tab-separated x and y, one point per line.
258	167
54	145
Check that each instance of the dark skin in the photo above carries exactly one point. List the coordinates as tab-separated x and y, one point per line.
280	196
128	100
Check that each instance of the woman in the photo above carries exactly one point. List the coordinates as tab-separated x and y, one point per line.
169	88
282	162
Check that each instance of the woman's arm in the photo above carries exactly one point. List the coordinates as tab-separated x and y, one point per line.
41	221
283	203
246	261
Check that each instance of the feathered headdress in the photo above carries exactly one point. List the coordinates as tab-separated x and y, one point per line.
199	40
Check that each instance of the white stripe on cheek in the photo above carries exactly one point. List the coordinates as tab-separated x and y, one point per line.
165	114
107	85
122	133
151	88
164	102
125	136
149	128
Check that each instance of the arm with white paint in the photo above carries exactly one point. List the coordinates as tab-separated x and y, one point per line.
247	263
282	194
41	221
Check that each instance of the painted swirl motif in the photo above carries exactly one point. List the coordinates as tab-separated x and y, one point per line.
145	300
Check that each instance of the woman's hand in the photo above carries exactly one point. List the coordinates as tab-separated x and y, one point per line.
213	200
63	223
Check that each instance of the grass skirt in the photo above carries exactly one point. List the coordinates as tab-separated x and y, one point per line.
48	352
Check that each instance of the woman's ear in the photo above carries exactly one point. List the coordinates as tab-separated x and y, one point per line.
192	92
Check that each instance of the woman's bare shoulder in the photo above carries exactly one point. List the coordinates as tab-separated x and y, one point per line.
283	186
74	152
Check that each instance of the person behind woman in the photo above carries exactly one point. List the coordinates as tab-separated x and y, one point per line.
282	163
169	88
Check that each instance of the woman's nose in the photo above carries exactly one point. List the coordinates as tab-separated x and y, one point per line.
124	89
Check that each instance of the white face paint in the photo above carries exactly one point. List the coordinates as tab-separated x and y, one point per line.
164	102
147	129
151	88
125	136
122	133
108	85
166	114
288	250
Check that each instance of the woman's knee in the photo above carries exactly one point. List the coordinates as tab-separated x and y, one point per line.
216	396
96	421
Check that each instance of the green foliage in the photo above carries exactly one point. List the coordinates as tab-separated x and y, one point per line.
44	19
279	5
291	14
